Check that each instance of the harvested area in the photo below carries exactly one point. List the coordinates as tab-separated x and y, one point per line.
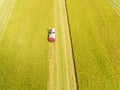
62	75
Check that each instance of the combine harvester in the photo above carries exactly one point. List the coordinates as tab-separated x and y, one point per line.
51	36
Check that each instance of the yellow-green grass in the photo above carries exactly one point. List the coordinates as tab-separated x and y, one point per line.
24	61
95	30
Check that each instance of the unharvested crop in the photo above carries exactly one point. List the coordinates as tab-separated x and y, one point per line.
24	61
95	29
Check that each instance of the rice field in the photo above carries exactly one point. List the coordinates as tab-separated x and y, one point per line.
95	30
29	62
24	61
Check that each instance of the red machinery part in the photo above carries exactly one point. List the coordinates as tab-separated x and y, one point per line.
51	39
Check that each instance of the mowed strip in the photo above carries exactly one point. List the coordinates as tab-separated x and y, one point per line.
6	8
115	4
63	71
95	28
24	61
67	47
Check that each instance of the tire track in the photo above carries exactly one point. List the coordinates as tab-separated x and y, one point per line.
64	44
63	60
73	84
68	51
53	61
52	65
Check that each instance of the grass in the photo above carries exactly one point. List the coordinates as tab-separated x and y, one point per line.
24	61
95	29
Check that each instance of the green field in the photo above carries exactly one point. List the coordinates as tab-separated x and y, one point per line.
95	29
29	62
24	61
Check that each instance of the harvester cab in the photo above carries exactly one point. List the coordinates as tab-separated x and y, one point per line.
51	36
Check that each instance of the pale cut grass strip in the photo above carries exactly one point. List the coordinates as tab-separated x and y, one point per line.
4	19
